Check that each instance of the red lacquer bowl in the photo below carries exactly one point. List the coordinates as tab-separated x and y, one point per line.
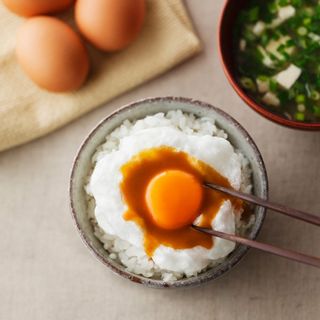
226	27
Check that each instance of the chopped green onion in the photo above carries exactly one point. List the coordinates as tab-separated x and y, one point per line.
317	10
302	31
265	39
299	116
309	11
273	85
300	98
315	95
276	35
272	7
253	14
290	43
308	89
291	93
316	110
283	3
248	35
247	83
272	57
303	43
296	3
263	78
307	21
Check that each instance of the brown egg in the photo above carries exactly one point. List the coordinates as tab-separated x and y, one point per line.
30	8
108	24
52	54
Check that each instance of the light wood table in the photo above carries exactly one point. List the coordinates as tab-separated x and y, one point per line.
47	273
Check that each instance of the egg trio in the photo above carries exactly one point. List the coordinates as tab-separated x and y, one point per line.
53	55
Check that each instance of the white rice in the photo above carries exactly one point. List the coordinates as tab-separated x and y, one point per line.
135	259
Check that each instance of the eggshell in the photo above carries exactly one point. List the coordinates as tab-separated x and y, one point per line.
52	54
108	24
30	8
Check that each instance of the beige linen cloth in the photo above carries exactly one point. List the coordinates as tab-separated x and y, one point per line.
27	112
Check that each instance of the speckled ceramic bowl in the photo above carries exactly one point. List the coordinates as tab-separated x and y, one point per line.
82	164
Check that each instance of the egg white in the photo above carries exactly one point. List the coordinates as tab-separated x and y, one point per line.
110	207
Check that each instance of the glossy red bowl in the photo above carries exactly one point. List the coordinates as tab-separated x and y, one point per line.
226	27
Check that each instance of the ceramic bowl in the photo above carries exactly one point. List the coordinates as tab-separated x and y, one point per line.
82	165
227	22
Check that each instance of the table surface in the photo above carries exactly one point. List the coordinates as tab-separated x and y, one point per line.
47	273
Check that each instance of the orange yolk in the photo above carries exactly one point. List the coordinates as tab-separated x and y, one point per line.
174	199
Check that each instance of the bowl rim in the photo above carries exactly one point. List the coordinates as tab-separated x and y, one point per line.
313	126
154	283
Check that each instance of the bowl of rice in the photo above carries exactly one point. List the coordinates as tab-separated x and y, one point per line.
164	131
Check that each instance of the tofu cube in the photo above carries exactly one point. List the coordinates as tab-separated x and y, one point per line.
271	99
258	28
313	36
286	12
242	44
262	85
288	77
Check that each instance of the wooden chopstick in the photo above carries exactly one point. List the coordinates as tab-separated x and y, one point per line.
293	213
288	254
297	214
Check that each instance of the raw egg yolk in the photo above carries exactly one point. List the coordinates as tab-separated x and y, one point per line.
174	199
